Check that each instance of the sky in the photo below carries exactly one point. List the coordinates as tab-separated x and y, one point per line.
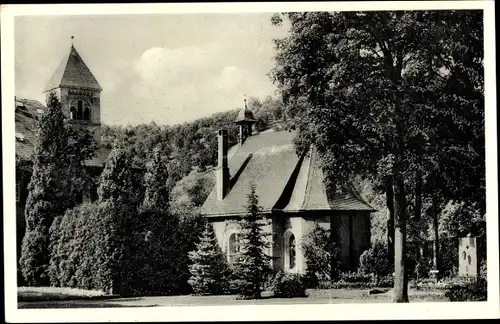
163	68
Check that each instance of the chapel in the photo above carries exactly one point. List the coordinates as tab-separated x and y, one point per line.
291	193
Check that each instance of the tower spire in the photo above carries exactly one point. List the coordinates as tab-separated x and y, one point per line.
72	37
245	100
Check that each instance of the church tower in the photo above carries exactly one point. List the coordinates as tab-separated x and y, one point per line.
78	91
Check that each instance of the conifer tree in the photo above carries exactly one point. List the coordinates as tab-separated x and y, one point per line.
207	265
58	175
160	251
252	263
116	194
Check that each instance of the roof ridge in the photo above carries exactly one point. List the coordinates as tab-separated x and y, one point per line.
308	183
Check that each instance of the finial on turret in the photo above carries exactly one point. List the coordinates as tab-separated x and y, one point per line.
72	37
245	100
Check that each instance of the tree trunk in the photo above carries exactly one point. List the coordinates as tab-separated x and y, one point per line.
418	211
400	274
435	225
389	194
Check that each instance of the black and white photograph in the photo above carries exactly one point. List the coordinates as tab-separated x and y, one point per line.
257	161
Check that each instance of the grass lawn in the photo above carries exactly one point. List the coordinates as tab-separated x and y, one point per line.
39	294
315	296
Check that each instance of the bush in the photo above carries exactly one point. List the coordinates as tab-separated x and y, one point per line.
288	285
321	254
471	291
355	277
375	261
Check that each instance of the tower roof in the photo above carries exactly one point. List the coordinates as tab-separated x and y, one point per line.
245	115
73	72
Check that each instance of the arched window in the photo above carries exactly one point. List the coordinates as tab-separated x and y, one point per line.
290	250
86	114
72	113
233	247
80	110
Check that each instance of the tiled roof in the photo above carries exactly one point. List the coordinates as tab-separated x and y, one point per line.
310	194
27	114
73	72
283	180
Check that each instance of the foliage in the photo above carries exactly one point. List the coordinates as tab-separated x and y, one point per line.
87	252
458	219
357	280
288	285
387	87
351	276
321	253
156	195
375	197
252	264
159	254
266	111
190	193
375	261
190	230
96	246
209	271
476	290
58	177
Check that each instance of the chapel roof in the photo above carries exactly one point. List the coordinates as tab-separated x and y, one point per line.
283	180
73	72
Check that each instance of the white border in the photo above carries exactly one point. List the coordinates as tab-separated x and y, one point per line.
488	309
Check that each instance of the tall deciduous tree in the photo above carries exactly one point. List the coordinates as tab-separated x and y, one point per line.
58	177
367	77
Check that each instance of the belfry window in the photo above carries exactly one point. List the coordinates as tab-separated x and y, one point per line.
72	113
86	114
80	110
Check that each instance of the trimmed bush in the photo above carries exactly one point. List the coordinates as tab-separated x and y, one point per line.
288	285
471	291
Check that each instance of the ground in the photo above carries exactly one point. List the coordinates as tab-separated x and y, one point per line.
326	296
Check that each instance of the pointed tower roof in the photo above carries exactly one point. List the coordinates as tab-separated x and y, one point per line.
245	115
73	72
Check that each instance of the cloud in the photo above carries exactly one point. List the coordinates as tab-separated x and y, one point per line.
179	84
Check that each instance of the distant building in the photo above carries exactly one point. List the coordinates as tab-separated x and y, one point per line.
291	193
79	94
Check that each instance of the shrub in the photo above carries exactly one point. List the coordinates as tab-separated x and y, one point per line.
355	277
471	291
288	285
321	253
375	261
